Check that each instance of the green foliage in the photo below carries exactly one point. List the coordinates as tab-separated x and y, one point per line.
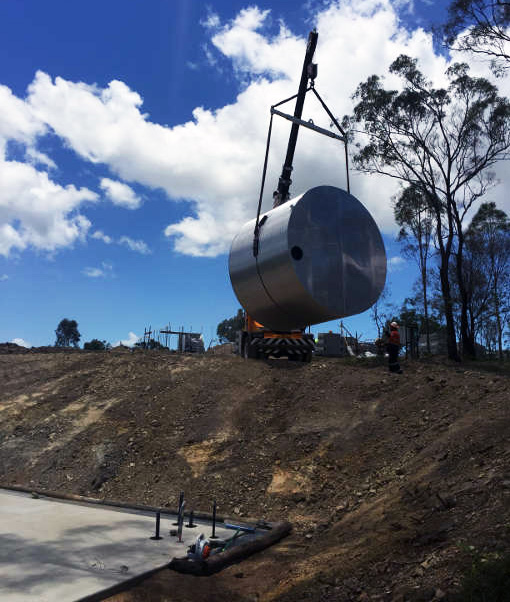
441	142
67	333
486	580
413	134
415	217
227	330
410	315
413	214
96	345
150	344
487	273
489	217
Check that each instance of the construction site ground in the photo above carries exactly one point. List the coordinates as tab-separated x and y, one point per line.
393	483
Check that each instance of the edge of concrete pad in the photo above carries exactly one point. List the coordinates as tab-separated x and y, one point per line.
71	497
122	586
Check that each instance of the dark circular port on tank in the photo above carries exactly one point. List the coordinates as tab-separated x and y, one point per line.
297	253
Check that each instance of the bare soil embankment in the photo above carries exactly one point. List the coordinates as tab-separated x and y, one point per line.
385	478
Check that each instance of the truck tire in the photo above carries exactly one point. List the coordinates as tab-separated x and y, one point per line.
253	352
307	357
248	351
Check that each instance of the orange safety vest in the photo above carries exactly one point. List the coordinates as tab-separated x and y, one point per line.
394	337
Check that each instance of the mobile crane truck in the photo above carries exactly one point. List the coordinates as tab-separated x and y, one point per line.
314	258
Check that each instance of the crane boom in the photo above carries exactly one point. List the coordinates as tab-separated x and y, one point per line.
281	194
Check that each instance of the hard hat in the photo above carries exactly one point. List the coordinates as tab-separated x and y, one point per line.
394	325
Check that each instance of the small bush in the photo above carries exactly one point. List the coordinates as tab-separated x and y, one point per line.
96	345
487	580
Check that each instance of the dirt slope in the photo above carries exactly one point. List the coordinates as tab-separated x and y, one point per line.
385	478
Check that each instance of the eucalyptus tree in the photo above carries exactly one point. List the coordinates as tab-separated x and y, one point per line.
413	215
67	333
477	286
481	27
443	141
227	329
488	239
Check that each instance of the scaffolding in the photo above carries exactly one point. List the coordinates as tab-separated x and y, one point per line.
187	341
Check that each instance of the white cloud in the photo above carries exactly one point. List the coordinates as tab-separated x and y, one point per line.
17	120
104	271
407	5
35	157
212	21
212	61
100	235
214	161
396	263
139	246
4	277
120	194
21	342
254	54
37	212
34	210
135	245
129	342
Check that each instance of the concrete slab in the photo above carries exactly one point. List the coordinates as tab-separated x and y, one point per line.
67	551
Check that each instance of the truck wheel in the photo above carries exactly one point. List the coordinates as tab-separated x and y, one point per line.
252	353
249	352
307	357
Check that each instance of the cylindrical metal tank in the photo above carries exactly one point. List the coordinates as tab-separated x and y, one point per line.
321	257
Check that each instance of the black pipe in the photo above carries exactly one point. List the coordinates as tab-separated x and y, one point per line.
158	519
69	497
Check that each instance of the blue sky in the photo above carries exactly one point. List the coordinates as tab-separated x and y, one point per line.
118	201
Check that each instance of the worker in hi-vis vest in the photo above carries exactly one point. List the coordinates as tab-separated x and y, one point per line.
393	347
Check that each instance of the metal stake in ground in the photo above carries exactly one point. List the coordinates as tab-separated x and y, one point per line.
181	499
190	524
158	519
213	536
181	521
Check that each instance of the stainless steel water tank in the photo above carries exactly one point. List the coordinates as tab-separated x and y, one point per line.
321	257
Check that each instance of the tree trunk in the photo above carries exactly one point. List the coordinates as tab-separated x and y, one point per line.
472	326
497	308
444	277
425	306
466	333
499	327
466	337
451	341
